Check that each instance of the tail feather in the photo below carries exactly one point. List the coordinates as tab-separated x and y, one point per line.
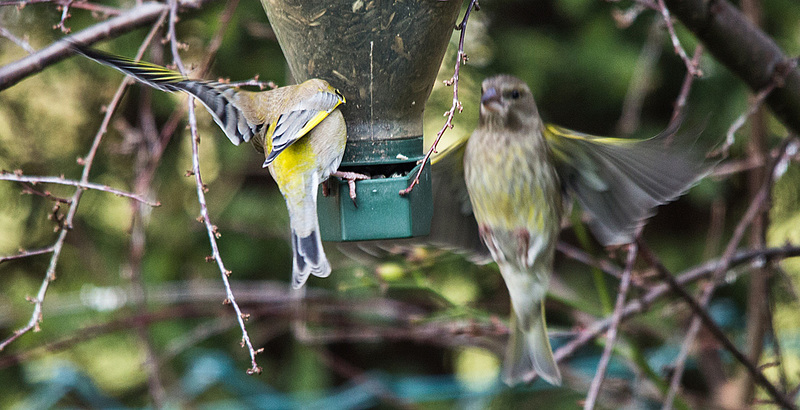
309	258
218	98
529	353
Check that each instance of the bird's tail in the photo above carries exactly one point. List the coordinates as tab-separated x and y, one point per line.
218	98
308	254
528	352
309	258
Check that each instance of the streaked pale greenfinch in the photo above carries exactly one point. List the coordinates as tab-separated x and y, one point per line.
517	169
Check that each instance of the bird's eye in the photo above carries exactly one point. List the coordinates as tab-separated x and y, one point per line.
515	94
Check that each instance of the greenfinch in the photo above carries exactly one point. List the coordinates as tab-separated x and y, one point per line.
516	170
297	127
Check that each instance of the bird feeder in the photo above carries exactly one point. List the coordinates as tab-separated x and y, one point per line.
383	55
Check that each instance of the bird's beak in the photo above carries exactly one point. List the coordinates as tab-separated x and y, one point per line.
491	100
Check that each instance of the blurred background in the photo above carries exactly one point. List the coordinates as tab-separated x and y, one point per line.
135	316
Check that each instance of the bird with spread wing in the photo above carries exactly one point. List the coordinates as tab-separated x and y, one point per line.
297	127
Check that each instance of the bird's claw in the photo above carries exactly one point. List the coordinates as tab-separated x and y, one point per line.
351	178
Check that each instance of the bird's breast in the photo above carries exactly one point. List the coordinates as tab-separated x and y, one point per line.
512	185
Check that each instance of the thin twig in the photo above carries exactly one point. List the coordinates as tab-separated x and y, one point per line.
93	7
755	104
87	161
730	136
138	16
461	58
25	253
691	66
731	167
92	331
716	227
624	18
18	177
604	265
29	189
753	210
643	303
201	198
64	16
700	312
616	318
688	80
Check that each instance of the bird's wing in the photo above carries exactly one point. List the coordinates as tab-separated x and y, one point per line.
299	120
216	97
453	225
619	181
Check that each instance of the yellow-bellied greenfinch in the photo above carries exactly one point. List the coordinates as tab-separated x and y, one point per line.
516	169
298	128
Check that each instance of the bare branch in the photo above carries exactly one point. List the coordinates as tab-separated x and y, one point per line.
680	102
138	16
746	50
753	210
604	265
18	177
25	253
201	198
754	106
700	312
461	58
616	318
643	303
87	161
85	5
64	16
691	66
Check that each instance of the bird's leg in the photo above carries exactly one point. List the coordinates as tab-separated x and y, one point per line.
524	237
326	188
351	178
487	236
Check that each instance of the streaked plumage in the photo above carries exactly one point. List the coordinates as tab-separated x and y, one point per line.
516	169
297	127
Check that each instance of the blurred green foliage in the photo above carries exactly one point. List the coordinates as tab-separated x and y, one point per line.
579	65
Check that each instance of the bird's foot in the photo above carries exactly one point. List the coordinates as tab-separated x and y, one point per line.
351	178
326	188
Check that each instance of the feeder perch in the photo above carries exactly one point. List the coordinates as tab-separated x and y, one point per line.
383	55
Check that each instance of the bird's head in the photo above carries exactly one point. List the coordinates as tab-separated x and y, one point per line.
506	101
320	86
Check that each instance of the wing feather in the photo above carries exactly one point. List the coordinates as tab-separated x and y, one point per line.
620	181
299	120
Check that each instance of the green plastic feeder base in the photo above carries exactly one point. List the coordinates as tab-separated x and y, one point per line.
382	213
